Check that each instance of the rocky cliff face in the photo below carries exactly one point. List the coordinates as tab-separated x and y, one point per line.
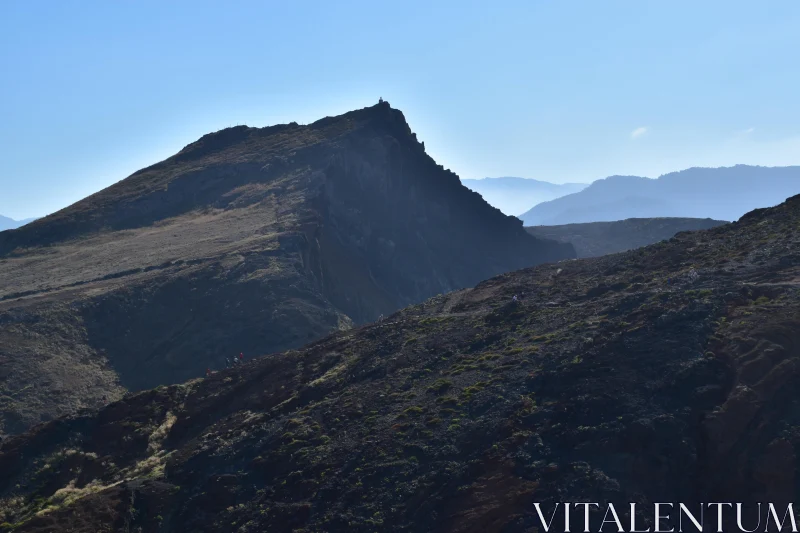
249	240
664	374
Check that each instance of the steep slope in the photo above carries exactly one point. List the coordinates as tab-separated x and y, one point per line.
516	195
670	373
601	238
719	193
248	240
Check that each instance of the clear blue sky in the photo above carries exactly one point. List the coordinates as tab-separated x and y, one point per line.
556	90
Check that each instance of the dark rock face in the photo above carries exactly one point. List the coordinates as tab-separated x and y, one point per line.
422	237
594	239
663	374
249	240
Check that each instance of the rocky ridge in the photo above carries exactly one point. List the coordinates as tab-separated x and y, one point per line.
252	240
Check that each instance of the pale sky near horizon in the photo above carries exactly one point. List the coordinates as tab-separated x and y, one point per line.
554	90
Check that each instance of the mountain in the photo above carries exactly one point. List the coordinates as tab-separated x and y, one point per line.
516	195
594	239
720	193
669	373
10	223
250	240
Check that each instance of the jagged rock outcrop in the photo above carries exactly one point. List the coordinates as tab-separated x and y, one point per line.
249	240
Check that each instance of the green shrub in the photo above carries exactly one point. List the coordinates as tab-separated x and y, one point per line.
440	386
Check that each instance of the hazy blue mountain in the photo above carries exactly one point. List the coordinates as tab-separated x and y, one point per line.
721	193
513	196
10	223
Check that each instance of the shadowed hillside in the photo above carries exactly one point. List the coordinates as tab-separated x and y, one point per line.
594	239
249	240
670	373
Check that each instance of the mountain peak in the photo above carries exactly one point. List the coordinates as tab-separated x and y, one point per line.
250	153
250	240
380	114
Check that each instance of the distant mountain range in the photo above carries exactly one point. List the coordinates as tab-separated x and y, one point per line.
10	223
593	239
513	196
721	193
